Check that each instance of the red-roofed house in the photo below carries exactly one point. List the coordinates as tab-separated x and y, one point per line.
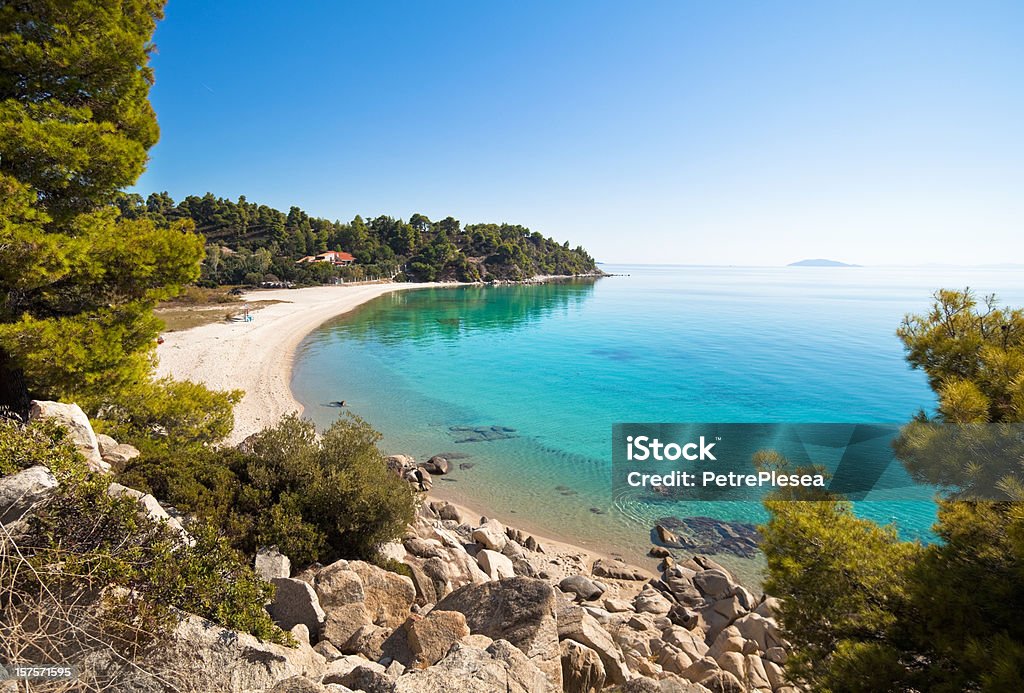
335	257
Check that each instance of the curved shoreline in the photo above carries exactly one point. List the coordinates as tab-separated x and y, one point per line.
257	357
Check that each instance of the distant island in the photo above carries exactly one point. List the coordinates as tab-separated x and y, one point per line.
819	262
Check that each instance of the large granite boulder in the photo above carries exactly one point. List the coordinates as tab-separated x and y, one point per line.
495	565
501	668
574	623
19	492
714	583
202	656
431	637
617	570
520	610
581	587
338	585
582	670
341	623
72	419
491	535
296	603
388	596
367	679
651	601
447	511
437	465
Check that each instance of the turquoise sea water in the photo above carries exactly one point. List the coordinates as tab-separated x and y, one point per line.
560	363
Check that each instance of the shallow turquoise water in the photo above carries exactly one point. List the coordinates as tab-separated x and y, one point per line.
560	363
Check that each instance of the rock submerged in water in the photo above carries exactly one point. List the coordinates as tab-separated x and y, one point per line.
437	465
707	535
479	434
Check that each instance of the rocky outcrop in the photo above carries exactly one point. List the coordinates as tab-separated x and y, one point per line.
486	609
500	668
456	626
520	610
72	419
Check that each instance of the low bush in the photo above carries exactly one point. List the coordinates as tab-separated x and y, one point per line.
38	443
86	568
106	540
318	498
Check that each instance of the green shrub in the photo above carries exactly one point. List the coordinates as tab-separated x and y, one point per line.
168	414
38	443
106	542
390	564
317	498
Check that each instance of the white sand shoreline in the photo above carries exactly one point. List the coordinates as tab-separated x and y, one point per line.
257	356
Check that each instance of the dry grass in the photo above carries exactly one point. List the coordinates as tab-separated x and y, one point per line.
47	619
185	316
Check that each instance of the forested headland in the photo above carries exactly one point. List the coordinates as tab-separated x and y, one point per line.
250	243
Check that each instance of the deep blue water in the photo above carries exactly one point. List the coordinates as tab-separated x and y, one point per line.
560	363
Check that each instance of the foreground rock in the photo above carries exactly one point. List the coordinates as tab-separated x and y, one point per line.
72	419
202	656
500	668
582	670
520	610
20	492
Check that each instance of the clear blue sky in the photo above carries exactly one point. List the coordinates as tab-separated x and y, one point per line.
688	132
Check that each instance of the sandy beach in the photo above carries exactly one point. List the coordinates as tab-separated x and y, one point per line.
257	356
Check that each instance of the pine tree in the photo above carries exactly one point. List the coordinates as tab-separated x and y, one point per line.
77	281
